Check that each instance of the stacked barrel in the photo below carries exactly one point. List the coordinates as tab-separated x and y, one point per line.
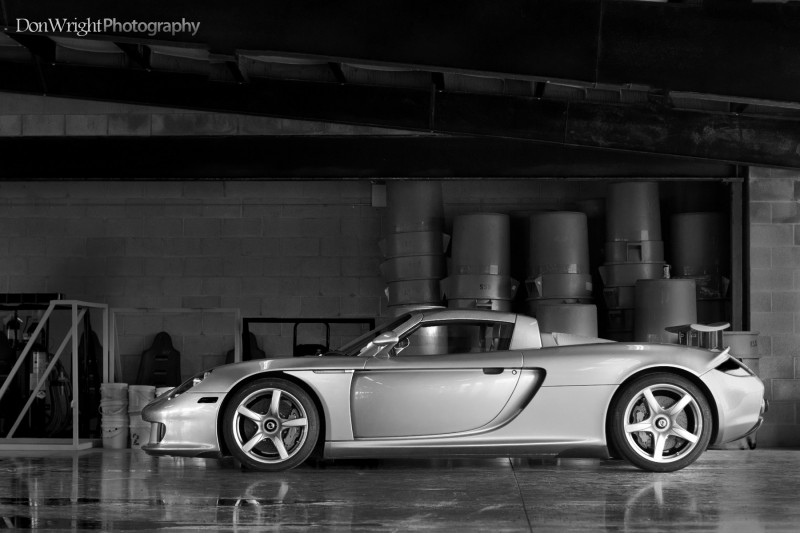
414	245
480	263
558	281
699	250
662	304
634	250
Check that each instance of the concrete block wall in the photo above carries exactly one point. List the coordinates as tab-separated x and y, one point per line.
775	297
267	248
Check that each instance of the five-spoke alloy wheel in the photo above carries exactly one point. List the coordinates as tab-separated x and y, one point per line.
271	425
661	422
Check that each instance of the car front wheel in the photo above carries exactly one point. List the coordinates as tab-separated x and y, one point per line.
271	425
661	422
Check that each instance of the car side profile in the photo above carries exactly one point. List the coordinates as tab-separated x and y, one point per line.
463	382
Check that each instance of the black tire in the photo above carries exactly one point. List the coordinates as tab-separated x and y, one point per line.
265	437
652	437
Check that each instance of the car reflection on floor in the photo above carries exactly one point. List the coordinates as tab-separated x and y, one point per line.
128	490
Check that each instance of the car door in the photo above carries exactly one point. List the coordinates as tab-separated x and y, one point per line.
451	378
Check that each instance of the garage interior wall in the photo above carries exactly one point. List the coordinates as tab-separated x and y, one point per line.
304	248
775	296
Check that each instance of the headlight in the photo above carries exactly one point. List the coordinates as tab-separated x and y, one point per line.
188	384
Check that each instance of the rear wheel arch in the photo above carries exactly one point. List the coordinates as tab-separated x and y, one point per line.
671	370
323	415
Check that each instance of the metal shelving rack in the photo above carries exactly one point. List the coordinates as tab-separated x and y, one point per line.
78	310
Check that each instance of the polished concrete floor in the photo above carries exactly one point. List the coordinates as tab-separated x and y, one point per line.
126	490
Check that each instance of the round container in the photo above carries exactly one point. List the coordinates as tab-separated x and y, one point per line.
420	291
113	399
139	396
414	243
479	303
699	244
397	310
633	212
634	252
532	305
559	244
578	319
560	286
481	245
162	390
479	286
114	392
139	431
663	303
115	431
427	341
743	344
621	320
414	205
620	297
414	267
627	274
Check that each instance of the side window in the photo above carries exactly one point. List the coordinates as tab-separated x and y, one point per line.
457	337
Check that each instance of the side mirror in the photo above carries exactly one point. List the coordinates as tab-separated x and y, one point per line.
386	339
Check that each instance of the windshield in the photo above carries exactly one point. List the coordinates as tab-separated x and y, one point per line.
355	347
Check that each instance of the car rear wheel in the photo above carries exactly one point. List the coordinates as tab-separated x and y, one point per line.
661	422
271	425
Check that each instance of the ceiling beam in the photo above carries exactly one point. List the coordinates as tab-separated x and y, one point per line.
304	157
743	50
653	128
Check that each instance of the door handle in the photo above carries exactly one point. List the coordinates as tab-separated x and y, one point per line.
492	371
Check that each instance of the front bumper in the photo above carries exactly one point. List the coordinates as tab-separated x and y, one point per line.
184	426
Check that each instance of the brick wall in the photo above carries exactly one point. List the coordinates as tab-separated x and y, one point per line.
775	297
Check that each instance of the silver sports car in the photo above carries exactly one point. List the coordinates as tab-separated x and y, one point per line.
464	382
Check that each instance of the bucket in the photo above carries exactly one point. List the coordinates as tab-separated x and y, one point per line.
139	396
139	431
633	212
699	244
481	244
113	392
743	344
115	431
414	206
559	244
662	303
414	267
414	243
578	319
113	399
